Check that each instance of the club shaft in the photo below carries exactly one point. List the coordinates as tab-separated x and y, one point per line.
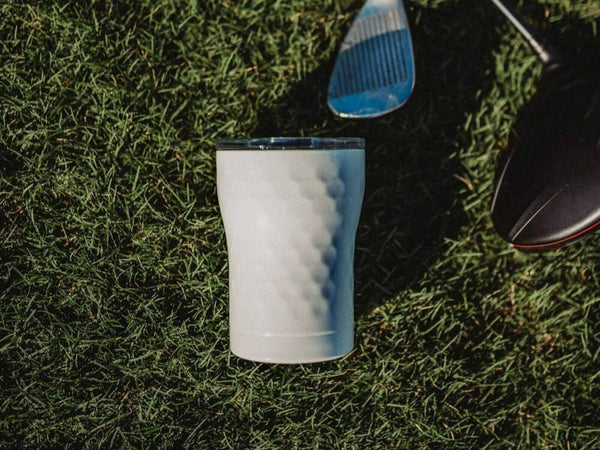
545	52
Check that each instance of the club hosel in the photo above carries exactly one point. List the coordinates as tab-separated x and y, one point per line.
546	53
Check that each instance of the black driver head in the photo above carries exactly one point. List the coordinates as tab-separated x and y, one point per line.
548	187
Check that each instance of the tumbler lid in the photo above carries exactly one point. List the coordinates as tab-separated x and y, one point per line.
292	143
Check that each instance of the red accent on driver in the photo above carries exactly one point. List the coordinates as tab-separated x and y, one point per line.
558	242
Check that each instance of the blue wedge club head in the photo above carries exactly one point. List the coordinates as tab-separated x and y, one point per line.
374	72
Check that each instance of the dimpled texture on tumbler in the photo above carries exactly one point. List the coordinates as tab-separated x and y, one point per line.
290	235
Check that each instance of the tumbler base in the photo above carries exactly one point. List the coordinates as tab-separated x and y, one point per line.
278	349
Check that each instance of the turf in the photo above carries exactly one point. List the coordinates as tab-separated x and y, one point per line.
113	261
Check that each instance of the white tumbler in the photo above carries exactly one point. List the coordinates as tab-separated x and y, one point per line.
290	207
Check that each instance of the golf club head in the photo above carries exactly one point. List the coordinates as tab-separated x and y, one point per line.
548	189
374	72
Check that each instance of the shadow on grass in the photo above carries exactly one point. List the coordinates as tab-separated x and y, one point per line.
571	36
412	201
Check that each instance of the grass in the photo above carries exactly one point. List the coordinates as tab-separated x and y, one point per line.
113	263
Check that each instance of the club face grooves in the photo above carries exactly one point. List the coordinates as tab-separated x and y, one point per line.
373	56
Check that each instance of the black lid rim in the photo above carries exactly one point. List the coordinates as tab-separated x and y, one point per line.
292	143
